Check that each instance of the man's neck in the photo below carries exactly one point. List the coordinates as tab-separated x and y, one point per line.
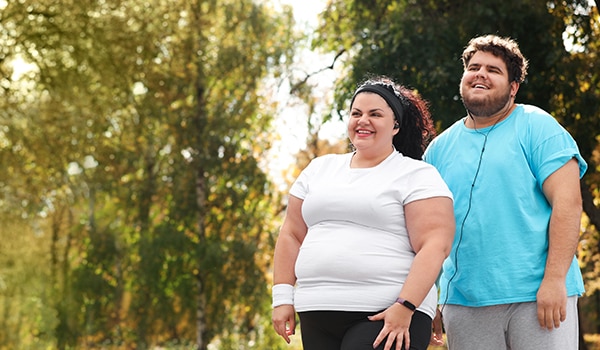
478	122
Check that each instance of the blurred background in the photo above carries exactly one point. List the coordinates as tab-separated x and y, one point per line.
147	147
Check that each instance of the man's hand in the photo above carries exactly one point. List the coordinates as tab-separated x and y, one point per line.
437	334
552	303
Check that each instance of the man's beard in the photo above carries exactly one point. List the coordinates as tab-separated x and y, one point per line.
488	106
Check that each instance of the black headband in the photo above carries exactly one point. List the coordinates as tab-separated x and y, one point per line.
393	99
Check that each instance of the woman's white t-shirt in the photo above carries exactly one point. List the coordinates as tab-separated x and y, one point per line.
357	253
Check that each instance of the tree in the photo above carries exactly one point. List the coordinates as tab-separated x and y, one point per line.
139	144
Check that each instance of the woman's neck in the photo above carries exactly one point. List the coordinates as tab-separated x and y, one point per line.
366	160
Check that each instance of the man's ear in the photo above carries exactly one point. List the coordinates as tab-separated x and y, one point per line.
514	87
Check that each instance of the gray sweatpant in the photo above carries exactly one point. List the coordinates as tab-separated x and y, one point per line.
508	327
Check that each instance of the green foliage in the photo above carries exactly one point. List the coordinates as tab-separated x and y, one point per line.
136	142
419	43
26	319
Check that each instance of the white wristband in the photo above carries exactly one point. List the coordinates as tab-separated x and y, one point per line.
283	294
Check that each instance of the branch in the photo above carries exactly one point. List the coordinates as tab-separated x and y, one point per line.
297	85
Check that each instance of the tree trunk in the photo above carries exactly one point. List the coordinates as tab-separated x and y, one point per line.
582	344
589	208
593	214
201	342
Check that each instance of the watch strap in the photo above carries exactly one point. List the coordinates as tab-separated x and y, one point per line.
407	304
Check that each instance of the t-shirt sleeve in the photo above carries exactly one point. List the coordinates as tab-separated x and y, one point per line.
301	185
426	182
554	151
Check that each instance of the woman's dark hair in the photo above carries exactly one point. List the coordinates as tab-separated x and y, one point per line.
416	125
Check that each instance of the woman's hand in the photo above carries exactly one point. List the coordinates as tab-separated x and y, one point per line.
284	321
396	324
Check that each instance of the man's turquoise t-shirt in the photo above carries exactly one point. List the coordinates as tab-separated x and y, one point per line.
502	217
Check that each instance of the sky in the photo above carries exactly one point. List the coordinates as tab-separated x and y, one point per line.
291	120
306	10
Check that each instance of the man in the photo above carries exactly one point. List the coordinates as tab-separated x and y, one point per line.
511	280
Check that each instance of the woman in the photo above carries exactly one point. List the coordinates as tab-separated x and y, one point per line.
366	232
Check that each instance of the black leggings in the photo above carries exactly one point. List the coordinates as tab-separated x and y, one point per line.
331	330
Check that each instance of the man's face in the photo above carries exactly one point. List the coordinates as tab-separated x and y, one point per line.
484	87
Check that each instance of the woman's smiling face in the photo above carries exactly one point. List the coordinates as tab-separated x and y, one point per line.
371	124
